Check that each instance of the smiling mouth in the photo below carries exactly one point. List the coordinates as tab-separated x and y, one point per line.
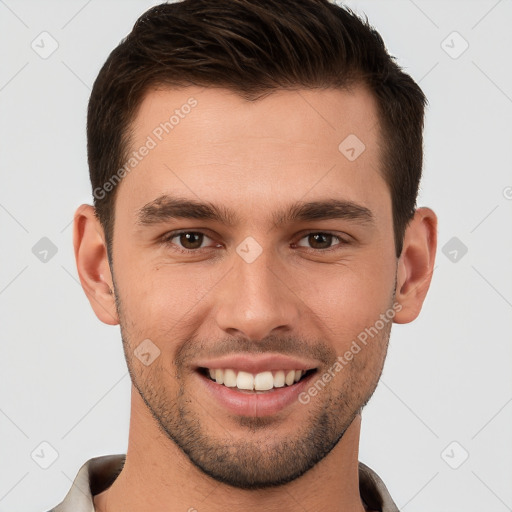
263	382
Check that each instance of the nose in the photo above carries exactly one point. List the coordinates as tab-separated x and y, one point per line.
255	299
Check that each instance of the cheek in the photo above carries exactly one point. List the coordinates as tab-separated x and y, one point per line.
160	298
350	297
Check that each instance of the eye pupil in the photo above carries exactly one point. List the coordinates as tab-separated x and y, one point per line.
186	239
314	238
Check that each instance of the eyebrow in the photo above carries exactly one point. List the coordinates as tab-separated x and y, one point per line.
165	208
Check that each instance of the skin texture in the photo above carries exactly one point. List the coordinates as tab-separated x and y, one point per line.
186	452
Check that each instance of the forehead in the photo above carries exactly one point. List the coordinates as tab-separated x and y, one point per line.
210	144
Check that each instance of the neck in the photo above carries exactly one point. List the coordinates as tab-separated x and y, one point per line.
157	475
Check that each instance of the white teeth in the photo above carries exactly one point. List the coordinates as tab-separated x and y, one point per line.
279	379
229	378
263	381
244	380
290	378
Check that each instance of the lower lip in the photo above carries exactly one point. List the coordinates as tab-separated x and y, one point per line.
255	404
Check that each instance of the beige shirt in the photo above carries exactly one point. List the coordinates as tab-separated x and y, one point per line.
99	473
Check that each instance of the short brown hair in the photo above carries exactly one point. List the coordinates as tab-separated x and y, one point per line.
253	47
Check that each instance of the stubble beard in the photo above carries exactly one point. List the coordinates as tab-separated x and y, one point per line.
253	455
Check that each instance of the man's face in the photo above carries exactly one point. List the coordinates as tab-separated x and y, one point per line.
266	292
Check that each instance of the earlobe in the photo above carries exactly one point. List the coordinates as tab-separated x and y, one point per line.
92	264
416	264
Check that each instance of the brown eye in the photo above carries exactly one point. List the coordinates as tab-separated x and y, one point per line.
321	241
185	241
191	240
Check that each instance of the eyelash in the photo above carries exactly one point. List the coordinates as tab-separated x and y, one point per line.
166	240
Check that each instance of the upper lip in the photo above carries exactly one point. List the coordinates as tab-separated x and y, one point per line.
257	363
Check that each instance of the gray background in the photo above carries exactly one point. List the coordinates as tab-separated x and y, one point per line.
438	429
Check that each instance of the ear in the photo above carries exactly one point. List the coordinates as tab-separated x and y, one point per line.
92	264
416	264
